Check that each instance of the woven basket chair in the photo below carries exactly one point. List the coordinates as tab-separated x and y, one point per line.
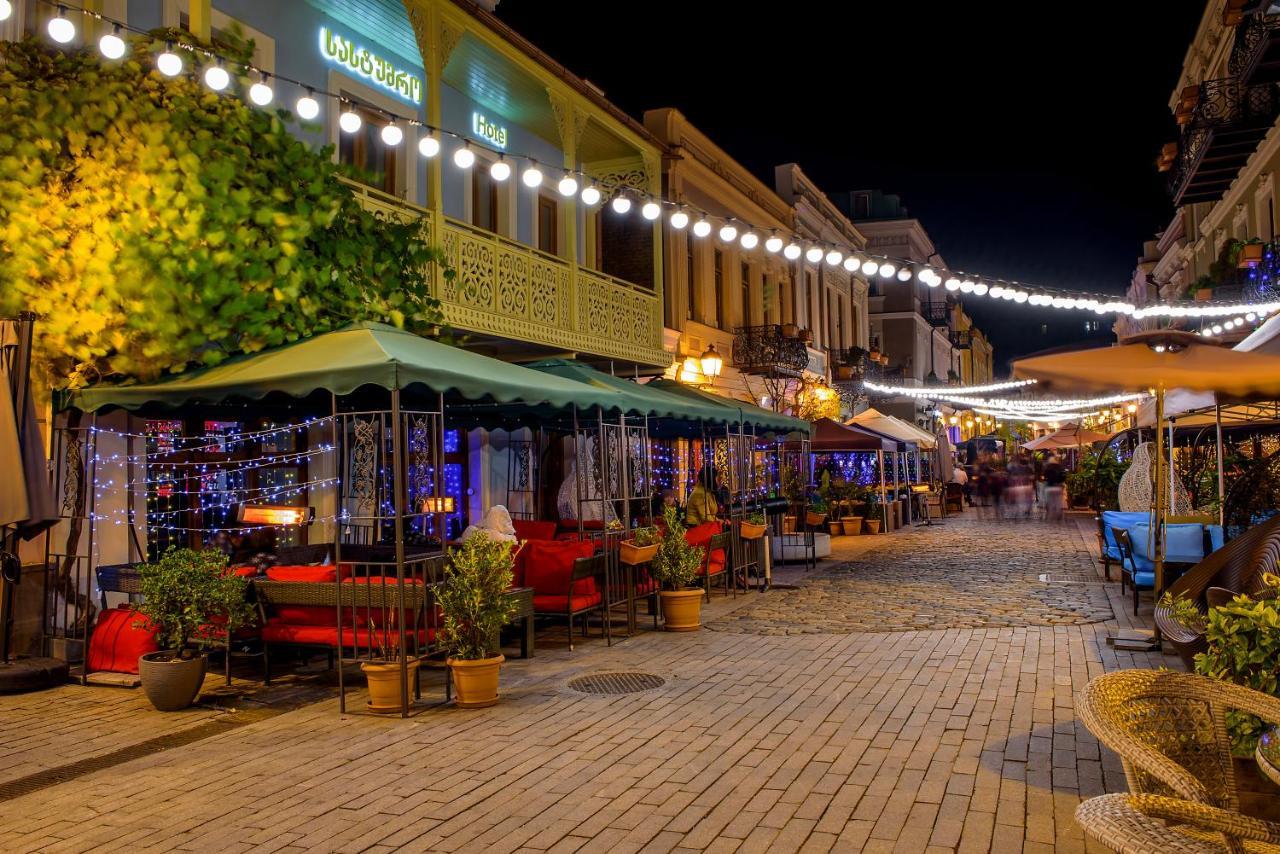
1138	824
1170	731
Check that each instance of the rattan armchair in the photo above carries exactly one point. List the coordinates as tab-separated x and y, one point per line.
1170	730
1138	824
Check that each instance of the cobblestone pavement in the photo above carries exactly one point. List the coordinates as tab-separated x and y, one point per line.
940	740
963	575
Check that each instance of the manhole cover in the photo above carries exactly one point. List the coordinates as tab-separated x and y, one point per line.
616	683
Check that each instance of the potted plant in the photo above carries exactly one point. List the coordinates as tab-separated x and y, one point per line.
852	524
790	330
753	527
1250	254
871	513
183	594
475	606
641	548
816	514
675	567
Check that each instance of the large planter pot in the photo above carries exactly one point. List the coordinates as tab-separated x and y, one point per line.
750	530
835	528
788	524
852	526
873	526
384	684
633	555
844	373
682	610
813	520
475	681
171	683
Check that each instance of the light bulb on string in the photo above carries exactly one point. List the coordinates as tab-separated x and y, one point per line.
350	121
679	220
774	243
568	186
869	267
308	107
701	228
169	63
966	287
216	77
904	275
834	257
429	146
391	134
531	177
464	158
934	280
792	252
260	93
979	288
6	9
590	195
749	240
887	270
924	274
500	170
620	204
728	232
1019	296
651	210
851	264
111	45
953	284
61	29
813	254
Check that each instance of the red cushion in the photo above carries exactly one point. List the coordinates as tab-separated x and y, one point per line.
307	573
549	565
276	632
517	564
245	571
308	615
555	604
700	535
116	644
532	529
587	525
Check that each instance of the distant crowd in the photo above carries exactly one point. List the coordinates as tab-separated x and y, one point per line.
1019	488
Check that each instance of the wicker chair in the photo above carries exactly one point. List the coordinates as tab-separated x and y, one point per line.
1237	567
1138	824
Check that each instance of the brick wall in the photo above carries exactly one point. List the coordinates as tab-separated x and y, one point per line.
627	248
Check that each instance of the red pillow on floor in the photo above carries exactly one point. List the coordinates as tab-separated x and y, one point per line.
548	566
116	645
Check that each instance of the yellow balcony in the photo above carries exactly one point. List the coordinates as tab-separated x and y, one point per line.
509	290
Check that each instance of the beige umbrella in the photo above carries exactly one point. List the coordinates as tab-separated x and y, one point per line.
1157	361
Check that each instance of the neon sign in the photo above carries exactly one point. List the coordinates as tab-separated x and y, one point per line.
344	52
488	130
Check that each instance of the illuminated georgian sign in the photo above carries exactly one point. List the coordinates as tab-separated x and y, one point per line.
348	54
490	131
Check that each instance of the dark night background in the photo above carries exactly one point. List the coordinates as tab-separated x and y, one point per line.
1022	137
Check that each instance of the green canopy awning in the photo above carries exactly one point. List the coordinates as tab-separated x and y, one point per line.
362	354
647	400
744	413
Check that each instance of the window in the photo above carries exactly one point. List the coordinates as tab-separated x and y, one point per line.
1044	329
375	163
691	278
718	280
745	306
862	206
839	342
484	200
548	220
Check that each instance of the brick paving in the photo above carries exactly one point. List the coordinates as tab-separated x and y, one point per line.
959	739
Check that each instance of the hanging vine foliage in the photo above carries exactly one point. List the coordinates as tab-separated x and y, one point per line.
153	224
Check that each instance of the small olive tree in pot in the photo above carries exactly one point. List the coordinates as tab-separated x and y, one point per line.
675	567
476	607
186	594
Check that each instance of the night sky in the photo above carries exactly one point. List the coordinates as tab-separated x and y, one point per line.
1022	137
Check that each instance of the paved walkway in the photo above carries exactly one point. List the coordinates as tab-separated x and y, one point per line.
905	740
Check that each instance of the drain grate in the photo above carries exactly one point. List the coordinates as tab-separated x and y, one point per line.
616	683
1069	578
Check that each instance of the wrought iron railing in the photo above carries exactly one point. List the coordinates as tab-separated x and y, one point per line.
848	365
1254	36
764	350
1226	108
937	312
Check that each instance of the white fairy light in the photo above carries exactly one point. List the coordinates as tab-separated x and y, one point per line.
308	108
904	275
111	45
350	121
679	220
169	63
792	252
728	232
886	270
590	195
568	186
651	210
429	146
749	240
464	158
391	134
701	228
979	288
6	9
261	93
813	254
216	77
500	170
953	284
869	267
620	204
531	177
834	257
60	28
773	244
851	264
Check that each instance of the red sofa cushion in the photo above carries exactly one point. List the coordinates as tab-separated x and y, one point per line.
517	564
555	604
532	529
277	632
116	644
700	535
549	565
319	574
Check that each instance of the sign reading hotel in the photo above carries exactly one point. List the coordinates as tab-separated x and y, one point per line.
490	131
344	52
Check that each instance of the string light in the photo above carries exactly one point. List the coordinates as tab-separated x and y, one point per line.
792	252
500	170
6	9
701	228
111	45
652	210
591	197
532	176
261	93
464	158
728	232
621	204
916	391
170	64
679	220
568	186
749	240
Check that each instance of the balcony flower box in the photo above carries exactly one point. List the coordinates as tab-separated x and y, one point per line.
751	531
1250	256
634	555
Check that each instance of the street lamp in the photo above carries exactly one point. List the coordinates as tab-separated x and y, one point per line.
711	362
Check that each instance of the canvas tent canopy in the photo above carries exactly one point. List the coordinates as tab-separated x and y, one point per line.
888	425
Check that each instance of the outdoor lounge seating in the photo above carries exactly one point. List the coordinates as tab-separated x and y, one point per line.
1170	732
1235	568
1107	545
1144	823
1139	572
568	581
708	537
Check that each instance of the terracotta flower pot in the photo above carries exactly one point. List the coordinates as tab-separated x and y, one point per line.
682	610
171	684
814	519
853	526
633	555
873	526
835	528
751	531
384	684
788	524
1250	255
1203	294
475	681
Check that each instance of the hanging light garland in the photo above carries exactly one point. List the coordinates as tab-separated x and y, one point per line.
574	182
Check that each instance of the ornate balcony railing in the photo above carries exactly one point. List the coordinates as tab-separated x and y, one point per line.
848	365
506	289
1255	56
937	312
1224	128
962	339
765	351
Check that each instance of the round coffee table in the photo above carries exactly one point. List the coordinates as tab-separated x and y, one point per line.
1268	755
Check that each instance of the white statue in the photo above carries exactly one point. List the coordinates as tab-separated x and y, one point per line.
496	523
